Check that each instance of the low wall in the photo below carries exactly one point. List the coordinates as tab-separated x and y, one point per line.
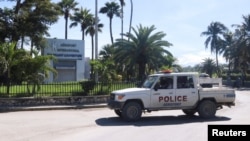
73	100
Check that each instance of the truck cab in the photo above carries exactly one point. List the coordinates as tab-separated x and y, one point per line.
172	90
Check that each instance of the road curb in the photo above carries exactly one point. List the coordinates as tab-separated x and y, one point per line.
52	107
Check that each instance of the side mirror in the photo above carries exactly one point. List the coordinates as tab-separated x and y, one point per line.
156	87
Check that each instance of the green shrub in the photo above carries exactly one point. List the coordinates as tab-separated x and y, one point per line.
87	86
235	76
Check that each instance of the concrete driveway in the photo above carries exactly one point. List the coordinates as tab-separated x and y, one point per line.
92	124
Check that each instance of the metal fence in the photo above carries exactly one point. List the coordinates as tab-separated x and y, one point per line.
62	89
73	89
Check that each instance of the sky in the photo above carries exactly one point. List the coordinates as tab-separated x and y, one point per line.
182	21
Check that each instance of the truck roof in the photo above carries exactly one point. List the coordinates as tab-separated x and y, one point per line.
174	73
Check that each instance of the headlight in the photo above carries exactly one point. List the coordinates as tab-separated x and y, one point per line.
120	96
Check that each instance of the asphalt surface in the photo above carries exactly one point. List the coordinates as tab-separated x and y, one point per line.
94	124
53	107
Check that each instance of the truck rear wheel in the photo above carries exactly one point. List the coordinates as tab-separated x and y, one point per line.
132	111
207	109
189	112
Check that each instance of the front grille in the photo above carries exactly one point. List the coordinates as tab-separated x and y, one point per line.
112	96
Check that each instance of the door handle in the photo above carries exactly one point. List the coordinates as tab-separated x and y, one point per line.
170	93
156	94
193	92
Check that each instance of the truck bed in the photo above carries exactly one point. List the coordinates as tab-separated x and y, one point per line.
221	94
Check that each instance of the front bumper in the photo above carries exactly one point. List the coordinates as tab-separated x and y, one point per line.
115	104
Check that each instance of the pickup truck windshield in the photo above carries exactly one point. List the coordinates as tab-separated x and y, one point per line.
149	81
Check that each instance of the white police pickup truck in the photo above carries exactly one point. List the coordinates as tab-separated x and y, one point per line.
170	91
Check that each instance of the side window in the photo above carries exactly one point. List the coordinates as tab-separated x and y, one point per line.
185	82
190	82
166	82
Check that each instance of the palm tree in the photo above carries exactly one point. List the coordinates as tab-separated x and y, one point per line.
229	51
82	17
122	3
111	9
214	32
91	31
208	66
66	7
172	63
107	52
9	56
144	48
243	42
34	70
106	58
28	20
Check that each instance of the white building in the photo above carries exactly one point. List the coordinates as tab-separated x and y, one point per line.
70	60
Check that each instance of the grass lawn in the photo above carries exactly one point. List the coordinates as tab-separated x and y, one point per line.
61	89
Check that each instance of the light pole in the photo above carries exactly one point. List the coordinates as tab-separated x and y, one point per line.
96	36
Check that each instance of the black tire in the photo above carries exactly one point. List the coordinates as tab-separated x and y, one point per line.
207	109
118	112
189	112
132	111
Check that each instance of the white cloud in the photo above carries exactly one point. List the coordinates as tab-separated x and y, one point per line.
191	59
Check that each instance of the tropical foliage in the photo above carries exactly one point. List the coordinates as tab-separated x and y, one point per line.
10	57
82	17
18	66
91	31
214	32
144	50
111	9
242	43
65	7
27	20
208	66
138	54
235	46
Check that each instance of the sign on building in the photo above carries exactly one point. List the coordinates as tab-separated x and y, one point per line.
69	62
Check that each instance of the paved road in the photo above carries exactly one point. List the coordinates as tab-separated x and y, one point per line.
101	124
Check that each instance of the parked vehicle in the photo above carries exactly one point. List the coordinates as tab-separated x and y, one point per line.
170	91
205	81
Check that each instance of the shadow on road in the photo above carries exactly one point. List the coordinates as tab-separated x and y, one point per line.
157	120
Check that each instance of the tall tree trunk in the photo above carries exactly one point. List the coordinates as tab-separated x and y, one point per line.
83	34
66	28
14	35
18	5
22	41
92	69
8	80
217	64
110	27
131	16
142	67
31	47
122	21
96	36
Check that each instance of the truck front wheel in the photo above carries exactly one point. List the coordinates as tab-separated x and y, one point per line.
132	111
207	109
118	112
189	112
